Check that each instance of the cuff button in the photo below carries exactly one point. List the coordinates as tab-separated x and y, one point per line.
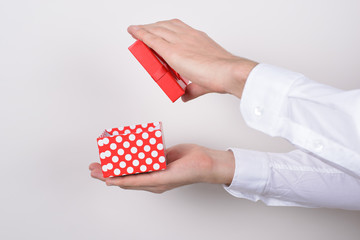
318	146
258	111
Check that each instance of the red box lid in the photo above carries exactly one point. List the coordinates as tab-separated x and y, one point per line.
169	81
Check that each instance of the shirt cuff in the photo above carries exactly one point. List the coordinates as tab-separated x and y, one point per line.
264	97
251	174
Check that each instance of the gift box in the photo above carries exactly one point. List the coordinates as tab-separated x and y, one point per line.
169	81
132	149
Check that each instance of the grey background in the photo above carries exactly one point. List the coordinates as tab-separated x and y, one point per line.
66	74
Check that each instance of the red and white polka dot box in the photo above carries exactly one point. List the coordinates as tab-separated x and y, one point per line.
132	149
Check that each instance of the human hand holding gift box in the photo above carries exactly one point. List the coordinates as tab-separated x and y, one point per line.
210	68
196	57
132	149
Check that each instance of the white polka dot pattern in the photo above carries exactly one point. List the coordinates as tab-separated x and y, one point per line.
141	155
139	142
154	154
130	170
147	148
145	135
122	164
136	163
109	166
121	151
132	149
115	159
117	172
126	144
148	161
156	166
107	153
132	137
162	159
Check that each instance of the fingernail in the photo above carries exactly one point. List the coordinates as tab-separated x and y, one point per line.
184	98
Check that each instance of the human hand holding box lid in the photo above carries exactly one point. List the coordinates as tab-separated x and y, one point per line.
132	149
168	80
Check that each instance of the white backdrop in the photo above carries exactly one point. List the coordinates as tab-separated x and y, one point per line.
66	74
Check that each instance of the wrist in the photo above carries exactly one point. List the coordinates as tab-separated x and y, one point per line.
222	167
240	72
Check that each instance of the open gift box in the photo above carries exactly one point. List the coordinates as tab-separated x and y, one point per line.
132	149
169	81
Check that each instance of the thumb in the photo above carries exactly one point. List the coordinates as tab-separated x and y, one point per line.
193	91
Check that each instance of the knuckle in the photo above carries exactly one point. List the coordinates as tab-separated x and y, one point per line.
148	38
142	33
176	20
157	29
161	22
201	33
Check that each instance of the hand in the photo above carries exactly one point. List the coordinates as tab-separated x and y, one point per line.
196	57
186	164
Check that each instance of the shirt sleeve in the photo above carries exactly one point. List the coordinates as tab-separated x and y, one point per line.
322	121
315	117
297	178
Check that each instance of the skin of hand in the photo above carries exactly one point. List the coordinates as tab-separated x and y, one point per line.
196	57
186	164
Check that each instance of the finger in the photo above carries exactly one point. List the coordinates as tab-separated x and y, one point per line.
94	165
153	41
176	152
193	91
187	81
148	189
175	25
163	32
97	173
138	180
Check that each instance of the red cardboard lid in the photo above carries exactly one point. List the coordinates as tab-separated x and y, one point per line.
158	68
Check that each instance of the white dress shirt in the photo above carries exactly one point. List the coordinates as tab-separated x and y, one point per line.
322	121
